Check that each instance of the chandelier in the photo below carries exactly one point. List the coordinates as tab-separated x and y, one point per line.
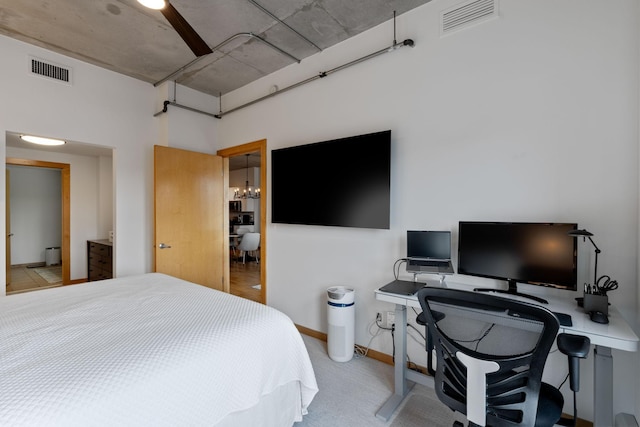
247	192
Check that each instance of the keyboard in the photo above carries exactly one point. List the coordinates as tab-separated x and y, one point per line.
563	318
427	263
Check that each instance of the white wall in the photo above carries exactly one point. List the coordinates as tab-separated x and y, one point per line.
111	110
101	108
184	129
105	197
36	212
529	117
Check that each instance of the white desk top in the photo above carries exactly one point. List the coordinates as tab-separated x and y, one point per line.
615	334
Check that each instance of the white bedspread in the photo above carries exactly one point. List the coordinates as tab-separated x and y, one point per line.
142	350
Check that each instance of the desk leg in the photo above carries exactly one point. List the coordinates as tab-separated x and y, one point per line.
602	386
400	383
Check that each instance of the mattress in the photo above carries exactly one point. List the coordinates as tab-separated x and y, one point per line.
147	350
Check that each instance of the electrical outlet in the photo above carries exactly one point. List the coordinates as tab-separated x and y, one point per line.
390	318
386	319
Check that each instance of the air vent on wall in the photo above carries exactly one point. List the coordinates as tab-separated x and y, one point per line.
467	14
49	70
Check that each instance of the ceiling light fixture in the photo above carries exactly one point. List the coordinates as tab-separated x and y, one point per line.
153	4
42	141
247	193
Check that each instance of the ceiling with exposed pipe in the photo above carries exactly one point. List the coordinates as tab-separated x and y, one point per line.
222	44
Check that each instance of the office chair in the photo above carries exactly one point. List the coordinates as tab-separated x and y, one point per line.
491	353
250	242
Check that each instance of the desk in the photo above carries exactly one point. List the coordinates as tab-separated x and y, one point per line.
616	334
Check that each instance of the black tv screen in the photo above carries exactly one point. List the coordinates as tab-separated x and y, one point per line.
534	253
343	182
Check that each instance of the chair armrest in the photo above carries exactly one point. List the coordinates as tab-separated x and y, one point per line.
574	345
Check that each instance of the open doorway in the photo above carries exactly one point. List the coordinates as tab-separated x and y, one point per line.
247	266
90	198
48	264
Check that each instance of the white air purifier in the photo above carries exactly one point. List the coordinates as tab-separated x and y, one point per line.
341	316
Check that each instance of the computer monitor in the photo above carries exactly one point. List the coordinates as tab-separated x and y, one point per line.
542	254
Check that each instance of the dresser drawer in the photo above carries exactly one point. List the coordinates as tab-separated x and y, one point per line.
100	249
99	260
96	273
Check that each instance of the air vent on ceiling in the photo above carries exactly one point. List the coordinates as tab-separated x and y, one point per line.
50	70
467	14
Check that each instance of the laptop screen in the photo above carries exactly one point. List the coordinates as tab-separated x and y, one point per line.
429	244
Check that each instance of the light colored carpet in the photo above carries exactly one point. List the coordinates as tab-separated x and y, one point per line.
352	392
50	274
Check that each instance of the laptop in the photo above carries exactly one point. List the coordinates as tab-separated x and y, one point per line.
429	252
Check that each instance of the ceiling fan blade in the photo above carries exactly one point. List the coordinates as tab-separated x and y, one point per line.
198	46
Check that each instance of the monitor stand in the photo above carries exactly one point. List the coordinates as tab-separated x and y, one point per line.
513	290
442	276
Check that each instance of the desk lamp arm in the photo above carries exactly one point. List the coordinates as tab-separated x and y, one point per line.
595	269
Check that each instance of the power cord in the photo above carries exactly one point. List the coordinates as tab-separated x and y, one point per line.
564	381
480	338
361	351
424	339
396	267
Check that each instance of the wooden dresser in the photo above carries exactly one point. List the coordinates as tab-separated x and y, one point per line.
99	260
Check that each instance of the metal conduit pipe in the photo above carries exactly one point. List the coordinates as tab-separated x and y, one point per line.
230	39
175	104
407	42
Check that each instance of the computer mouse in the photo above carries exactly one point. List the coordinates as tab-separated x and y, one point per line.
598	317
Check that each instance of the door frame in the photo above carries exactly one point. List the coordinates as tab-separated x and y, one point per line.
250	147
65	173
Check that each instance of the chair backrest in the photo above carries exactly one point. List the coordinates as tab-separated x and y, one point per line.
491	353
249	242
243	229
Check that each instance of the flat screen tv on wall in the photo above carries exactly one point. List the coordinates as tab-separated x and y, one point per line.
343	182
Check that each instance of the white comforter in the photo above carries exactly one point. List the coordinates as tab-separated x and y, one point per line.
142	350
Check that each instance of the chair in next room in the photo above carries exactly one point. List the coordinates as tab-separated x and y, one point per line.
249	244
490	356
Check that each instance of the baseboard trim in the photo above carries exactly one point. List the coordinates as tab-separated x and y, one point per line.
313	334
376	355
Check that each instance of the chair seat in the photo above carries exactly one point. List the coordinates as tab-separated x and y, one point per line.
550	404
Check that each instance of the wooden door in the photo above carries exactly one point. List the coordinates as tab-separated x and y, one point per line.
8	226
189	216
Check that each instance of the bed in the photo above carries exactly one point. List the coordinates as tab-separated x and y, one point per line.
149	350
